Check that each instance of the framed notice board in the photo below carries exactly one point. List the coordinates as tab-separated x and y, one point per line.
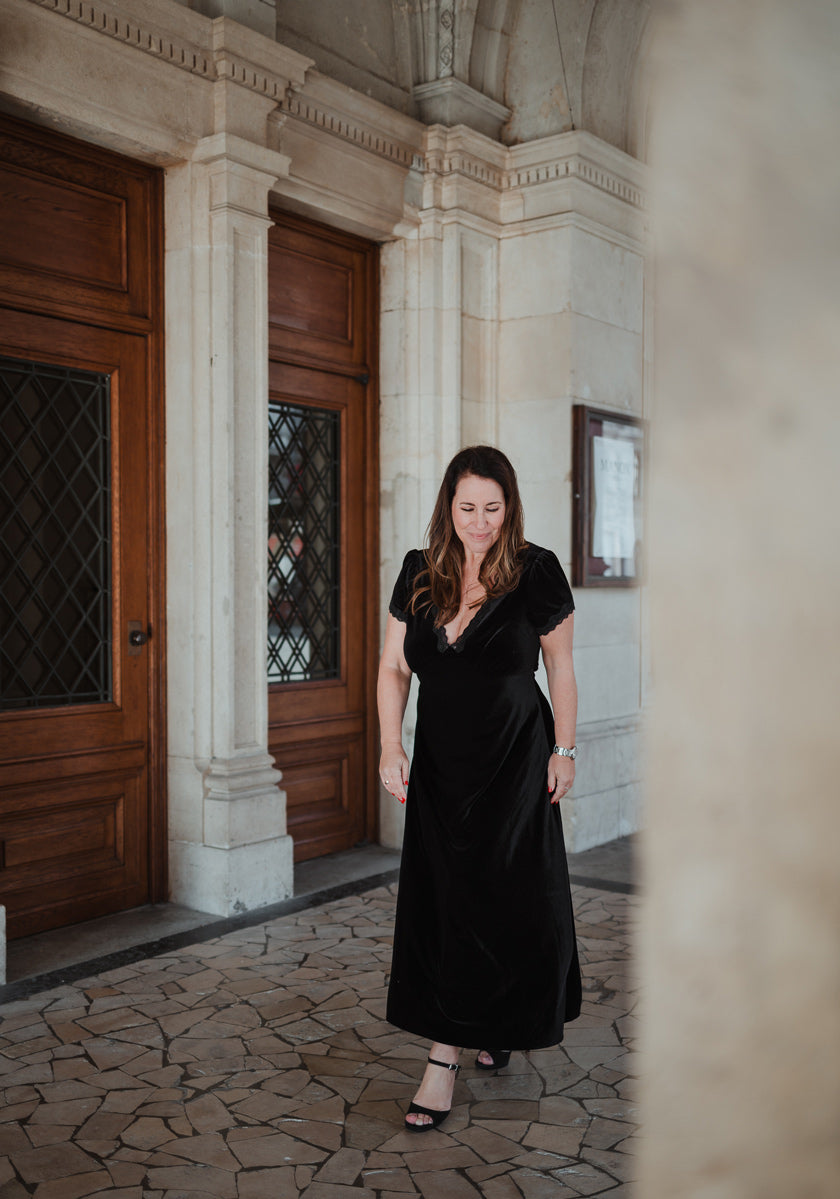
608	471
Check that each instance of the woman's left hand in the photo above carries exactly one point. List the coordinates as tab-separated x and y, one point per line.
561	775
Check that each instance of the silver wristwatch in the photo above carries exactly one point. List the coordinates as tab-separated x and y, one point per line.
566	753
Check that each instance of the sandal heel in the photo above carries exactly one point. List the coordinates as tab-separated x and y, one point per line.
436	1117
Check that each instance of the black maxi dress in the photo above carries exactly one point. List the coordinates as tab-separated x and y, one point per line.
484	943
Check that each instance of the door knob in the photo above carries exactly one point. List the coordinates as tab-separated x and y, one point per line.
137	636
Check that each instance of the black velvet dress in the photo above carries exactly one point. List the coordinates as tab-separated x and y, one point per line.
484	945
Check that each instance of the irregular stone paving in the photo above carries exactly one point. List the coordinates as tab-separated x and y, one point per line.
259	1065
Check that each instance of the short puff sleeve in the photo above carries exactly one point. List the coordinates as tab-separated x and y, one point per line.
549	596
413	563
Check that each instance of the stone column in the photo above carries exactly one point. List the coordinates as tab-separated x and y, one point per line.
229	850
420	427
739	957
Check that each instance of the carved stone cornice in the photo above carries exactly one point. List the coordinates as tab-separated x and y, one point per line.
450	101
222	51
459	162
365	135
575	166
211	58
461	151
578	156
102	19
581	156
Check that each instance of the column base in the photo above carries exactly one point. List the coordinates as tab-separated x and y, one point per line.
229	882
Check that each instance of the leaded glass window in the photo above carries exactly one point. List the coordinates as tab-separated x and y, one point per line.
303	543
55	536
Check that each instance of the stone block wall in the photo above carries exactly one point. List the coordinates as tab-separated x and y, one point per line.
520	294
571	302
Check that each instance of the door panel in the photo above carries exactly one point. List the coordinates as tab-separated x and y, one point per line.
323	508
80	228
82	753
320	285
73	825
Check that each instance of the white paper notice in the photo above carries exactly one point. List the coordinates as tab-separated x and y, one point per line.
614	470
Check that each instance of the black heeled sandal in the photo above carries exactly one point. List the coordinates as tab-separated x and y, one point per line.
500	1057
437	1117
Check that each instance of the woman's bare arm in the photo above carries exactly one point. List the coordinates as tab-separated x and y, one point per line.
392	690
562	689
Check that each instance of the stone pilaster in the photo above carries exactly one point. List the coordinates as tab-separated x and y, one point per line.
229	850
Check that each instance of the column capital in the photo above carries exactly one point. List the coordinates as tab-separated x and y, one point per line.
262	165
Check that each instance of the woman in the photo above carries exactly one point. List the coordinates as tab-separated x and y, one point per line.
484	946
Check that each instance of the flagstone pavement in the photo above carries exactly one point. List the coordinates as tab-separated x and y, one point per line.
258	1065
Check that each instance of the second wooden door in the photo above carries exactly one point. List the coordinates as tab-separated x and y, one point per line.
322	551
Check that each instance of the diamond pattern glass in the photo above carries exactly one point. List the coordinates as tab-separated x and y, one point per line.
55	536
303	543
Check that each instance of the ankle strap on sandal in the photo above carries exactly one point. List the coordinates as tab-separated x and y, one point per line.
445	1065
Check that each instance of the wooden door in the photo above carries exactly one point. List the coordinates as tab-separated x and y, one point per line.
323	511
81	798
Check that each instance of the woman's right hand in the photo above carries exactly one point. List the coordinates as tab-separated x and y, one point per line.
393	770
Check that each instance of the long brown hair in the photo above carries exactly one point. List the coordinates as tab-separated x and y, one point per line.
441	582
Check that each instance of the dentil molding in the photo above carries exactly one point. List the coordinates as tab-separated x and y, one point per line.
301	106
564	156
97	17
226	57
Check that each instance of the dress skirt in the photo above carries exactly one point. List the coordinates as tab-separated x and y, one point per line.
484	944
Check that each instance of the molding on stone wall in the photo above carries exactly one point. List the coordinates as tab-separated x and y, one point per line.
583	156
101	19
459	162
460	151
452	102
577	166
218	62
366	136
222	50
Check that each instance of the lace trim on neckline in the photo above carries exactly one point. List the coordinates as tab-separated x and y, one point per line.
457	645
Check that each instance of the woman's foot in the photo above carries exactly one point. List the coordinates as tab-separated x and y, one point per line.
436	1089
493	1059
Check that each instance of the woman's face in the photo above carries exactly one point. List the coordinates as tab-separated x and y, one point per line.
478	512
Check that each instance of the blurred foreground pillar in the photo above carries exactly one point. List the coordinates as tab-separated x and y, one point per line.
740	946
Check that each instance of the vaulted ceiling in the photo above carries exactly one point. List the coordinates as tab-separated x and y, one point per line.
553	64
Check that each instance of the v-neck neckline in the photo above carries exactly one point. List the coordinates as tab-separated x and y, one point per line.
457	645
